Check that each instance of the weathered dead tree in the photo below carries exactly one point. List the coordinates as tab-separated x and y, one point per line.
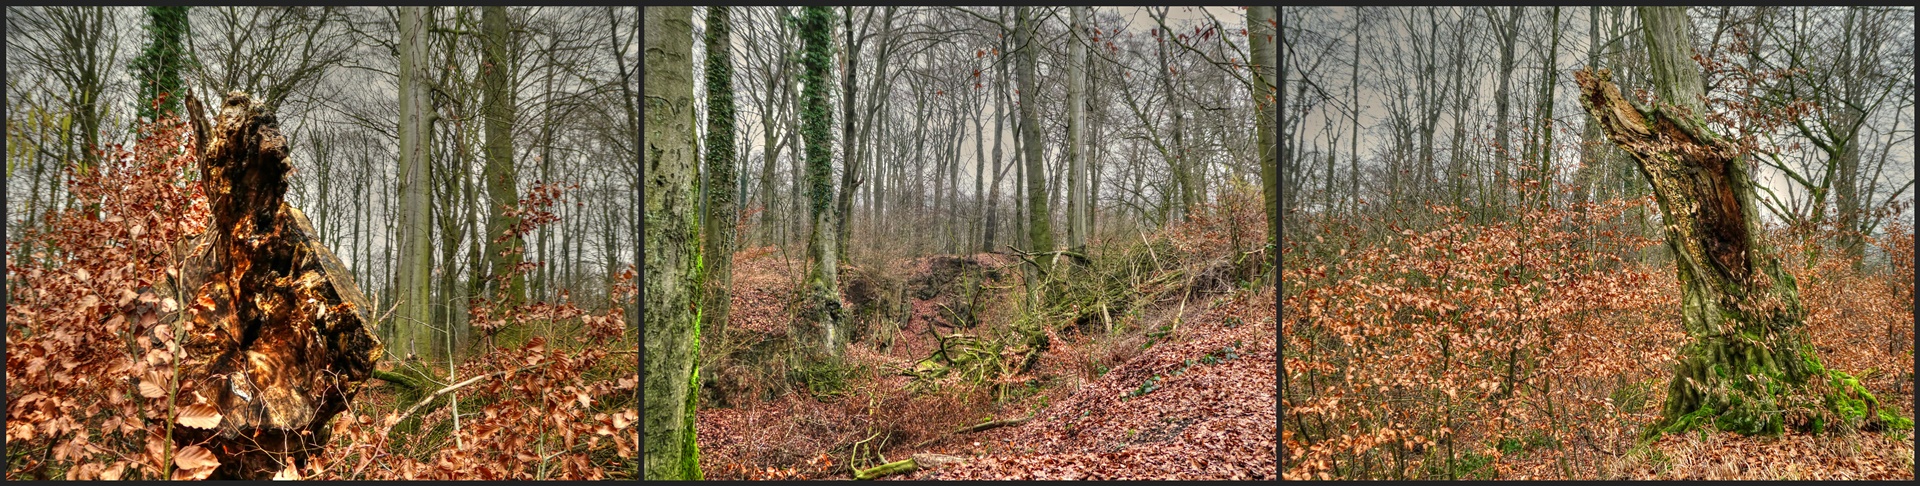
274	331
1749	367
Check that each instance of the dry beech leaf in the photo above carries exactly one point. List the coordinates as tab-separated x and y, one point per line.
151	389
199	415
288	474
113	473
192	475
195	457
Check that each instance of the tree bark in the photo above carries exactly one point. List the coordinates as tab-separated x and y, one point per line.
1039	217
849	166
721	215
277	334
672	332
1260	47
999	125
1182	173
1542	156
1749	357
502	180
821	334
1509	33
412	336
1077	131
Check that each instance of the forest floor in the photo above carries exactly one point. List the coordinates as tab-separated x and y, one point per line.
1180	390
1584	323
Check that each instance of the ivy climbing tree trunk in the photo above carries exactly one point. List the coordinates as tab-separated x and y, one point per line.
1749	367
721	216
158	67
672	334
820	332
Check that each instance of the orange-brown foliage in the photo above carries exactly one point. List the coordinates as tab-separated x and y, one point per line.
90	362
1518	349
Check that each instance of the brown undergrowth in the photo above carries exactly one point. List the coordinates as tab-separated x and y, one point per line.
1456	349
1157	362
90	360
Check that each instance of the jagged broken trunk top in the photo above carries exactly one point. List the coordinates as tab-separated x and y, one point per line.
1749	367
276	333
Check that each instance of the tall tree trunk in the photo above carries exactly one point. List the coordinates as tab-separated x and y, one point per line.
672	333
1749	358
1077	131
796	195
879	83
999	120
774	145
1847	202
157	70
952	215
1039	217
1429	105
1097	153
849	166
1590	149
979	169
1021	238
1353	145
1457	163
1182	173
721	215
416	132
502	180
1260	47
1509	33
1542	159
821	333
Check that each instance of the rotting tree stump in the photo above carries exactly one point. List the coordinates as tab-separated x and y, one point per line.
274	332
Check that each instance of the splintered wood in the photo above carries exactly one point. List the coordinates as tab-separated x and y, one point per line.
276	334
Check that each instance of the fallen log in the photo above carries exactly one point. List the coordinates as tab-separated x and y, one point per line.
275	334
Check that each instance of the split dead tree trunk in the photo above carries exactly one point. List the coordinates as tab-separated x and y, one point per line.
276	332
1749	367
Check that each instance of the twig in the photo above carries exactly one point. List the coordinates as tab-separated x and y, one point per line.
456	386
1150	253
980	427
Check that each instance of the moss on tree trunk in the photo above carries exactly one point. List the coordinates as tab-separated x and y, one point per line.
1749	367
672	327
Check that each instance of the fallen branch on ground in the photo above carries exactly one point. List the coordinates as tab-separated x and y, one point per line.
399	379
989	425
456	386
